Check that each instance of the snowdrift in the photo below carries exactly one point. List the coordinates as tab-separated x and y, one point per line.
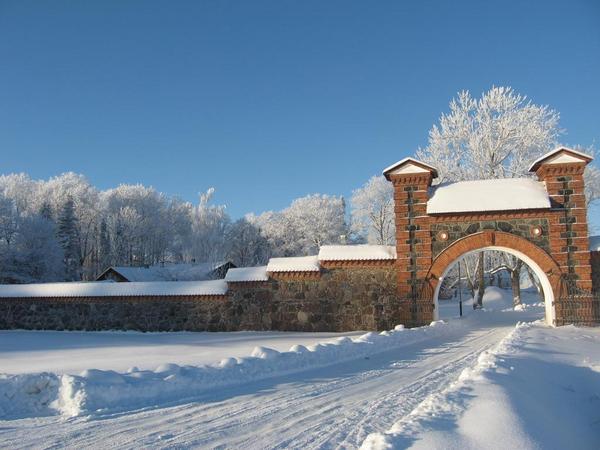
99	391
28	395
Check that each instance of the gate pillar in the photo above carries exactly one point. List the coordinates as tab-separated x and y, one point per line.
411	180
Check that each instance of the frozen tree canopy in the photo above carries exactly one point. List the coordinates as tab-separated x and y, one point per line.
373	211
495	136
64	229
304	226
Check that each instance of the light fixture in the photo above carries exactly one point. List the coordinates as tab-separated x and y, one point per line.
442	236
536	231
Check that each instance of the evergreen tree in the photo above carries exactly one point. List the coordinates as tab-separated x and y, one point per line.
104	253
67	235
46	211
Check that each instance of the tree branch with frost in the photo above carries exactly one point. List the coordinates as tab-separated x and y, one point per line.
372	211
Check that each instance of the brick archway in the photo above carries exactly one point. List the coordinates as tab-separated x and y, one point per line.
545	268
543	221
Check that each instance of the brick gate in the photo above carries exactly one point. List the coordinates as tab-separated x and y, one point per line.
543	222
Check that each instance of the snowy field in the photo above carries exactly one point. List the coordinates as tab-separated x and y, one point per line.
475	382
72	352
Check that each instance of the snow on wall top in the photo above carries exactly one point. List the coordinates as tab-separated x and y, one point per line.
294	264
247	274
594	243
561	155
356	252
110	289
488	195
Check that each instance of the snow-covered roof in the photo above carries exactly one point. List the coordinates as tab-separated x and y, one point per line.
594	243
488	195
409	165
294	264
241	274
169	271
357	252
561	155
109	289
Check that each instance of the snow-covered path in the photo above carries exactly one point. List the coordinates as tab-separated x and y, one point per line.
331	407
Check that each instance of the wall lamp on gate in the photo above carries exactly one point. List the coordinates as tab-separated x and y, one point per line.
536	231
442	236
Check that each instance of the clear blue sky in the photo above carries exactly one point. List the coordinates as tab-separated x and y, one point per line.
271	100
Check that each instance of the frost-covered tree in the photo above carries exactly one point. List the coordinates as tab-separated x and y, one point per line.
305	225
495	136
38	254
246	246
373	211
86	209
8	220
208	227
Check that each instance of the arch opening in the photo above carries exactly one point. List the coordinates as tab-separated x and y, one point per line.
545	284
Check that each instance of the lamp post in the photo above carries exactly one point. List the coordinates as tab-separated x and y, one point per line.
459	290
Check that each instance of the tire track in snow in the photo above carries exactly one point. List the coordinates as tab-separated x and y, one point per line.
317	410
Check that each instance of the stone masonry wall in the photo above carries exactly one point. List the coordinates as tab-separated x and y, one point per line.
343	299
124	313
517	226
340	299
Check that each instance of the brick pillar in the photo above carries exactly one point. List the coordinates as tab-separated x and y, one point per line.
568	235
413	246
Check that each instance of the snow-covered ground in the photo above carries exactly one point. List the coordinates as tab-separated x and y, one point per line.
476	382
72	352
538	388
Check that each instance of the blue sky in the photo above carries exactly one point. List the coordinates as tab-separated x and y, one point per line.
271	100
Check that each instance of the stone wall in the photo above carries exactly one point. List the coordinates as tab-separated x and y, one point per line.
122	313
341	299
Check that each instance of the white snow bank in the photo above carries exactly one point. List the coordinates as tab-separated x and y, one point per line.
488	195
27	395
294	264
242	274
539	388
356	252
96	391
107	289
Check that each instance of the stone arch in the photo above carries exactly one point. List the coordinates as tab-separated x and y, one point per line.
542	264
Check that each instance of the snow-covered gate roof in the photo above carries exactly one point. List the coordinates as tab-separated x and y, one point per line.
507	194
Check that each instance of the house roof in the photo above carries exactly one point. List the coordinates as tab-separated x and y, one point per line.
242	274
111	289
410	165
503	194
561	155
594	243
357	252
168	272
